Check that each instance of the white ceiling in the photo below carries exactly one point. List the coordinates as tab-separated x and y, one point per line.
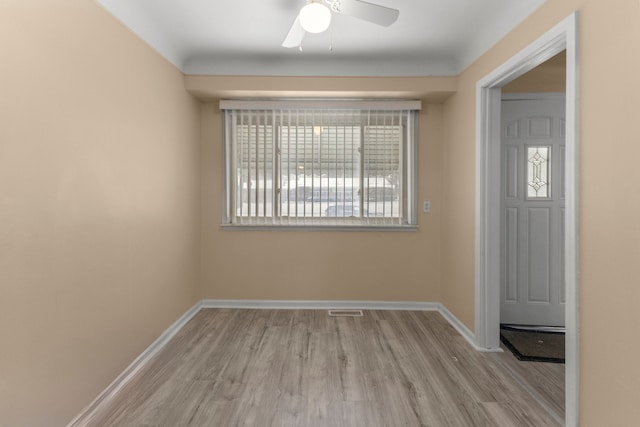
244	37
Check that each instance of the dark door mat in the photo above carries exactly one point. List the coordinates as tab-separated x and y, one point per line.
533	345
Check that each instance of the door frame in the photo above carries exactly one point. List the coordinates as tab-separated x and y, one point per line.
561	37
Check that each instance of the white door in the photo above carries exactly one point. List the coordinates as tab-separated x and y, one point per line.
532	239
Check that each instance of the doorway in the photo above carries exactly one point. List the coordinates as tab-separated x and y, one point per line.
487	251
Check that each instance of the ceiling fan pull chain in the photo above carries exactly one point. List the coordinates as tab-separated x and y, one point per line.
331	39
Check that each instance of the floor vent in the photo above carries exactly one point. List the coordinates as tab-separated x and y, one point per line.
345	313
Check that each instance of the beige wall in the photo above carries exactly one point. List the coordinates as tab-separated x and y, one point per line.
550	76
99	197
429	89
609	198
296	265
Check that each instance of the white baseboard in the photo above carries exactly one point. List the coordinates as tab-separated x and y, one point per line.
320	305
110	392
89	412
463	330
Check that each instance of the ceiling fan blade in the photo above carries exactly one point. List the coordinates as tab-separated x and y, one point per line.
377	14
295	35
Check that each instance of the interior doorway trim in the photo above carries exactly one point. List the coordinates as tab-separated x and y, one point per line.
487	250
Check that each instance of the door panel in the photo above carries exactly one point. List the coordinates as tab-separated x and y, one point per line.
511	164
563	296
532	248
511	218
539	127
538	251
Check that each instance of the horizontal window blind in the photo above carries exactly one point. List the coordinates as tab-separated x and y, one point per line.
317	167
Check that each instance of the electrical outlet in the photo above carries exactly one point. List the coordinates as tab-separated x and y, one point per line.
426	206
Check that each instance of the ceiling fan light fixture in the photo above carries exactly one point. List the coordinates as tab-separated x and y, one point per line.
315	17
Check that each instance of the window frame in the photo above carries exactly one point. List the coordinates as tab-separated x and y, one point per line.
407	222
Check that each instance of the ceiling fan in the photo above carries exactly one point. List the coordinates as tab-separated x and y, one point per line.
315	17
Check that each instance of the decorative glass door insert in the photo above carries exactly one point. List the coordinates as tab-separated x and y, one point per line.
538	162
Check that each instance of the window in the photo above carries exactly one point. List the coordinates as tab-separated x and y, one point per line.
320	163
538	172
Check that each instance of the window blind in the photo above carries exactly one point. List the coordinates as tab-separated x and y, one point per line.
319	166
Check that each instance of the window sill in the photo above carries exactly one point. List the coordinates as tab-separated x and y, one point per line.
314	227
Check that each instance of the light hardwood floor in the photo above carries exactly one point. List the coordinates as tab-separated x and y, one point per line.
230	367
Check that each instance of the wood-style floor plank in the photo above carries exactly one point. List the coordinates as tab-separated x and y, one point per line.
231	367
